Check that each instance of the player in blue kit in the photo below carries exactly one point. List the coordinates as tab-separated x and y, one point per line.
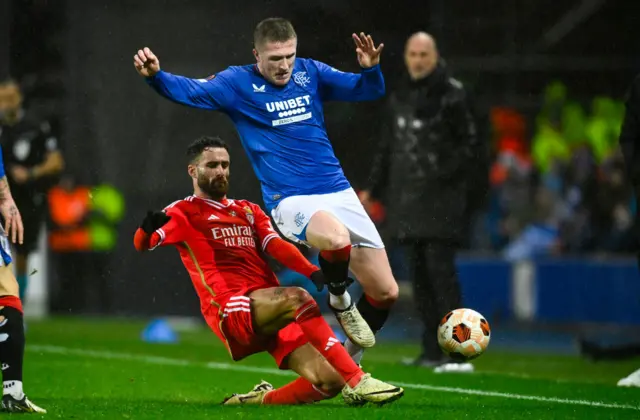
277	108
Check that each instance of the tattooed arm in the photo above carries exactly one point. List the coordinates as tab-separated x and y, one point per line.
12	220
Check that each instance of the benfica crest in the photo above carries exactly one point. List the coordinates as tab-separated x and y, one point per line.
249	214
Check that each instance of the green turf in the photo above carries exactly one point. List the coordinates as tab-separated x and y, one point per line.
101	370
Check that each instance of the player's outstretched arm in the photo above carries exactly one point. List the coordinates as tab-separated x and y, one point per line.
289	256
208	93
366	86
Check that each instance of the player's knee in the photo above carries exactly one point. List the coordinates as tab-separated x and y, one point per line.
297	297
339	240
392	293
387	295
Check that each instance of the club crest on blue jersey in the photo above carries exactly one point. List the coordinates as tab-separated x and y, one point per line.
301	78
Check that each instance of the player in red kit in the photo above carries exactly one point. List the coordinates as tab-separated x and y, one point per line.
222	243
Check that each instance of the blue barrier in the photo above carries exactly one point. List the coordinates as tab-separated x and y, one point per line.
588	291
486	286
563	290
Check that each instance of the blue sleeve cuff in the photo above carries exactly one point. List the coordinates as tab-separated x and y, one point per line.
370	69
153	78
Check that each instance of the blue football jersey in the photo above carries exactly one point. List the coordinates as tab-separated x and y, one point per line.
2	171
282	128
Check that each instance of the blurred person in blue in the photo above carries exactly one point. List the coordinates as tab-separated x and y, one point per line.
541	237
612	213
580	196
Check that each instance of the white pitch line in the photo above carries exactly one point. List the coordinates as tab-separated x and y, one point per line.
518	396
272	371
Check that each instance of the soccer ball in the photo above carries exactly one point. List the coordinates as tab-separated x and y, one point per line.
464	334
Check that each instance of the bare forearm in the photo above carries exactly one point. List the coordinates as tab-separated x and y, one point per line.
5	191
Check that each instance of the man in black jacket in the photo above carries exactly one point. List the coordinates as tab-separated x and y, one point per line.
426	166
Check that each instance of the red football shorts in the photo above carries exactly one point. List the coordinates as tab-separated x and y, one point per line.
243	341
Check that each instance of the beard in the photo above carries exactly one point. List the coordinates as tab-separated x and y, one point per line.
215	188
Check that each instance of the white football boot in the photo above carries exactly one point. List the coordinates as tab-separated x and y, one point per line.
631	380
371	390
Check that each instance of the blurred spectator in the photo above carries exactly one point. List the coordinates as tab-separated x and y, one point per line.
550	148
541	237
603	128
553	102
33	160
580	195
510	208
423	170
574	164
574	123
84	232
612	218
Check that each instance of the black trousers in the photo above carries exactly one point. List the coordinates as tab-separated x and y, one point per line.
436	288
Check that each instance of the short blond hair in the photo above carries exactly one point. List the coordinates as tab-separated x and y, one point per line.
273	30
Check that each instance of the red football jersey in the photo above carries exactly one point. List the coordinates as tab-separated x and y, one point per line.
221	245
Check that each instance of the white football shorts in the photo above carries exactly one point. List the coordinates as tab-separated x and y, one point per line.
292	216
5	249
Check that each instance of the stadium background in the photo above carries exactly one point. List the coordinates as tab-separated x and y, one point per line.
74	60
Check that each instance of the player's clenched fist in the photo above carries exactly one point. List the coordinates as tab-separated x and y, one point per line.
146	63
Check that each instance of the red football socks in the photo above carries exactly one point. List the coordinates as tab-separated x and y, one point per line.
320	335
299	391
337	255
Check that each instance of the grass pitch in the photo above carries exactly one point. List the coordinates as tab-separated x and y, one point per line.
100	369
